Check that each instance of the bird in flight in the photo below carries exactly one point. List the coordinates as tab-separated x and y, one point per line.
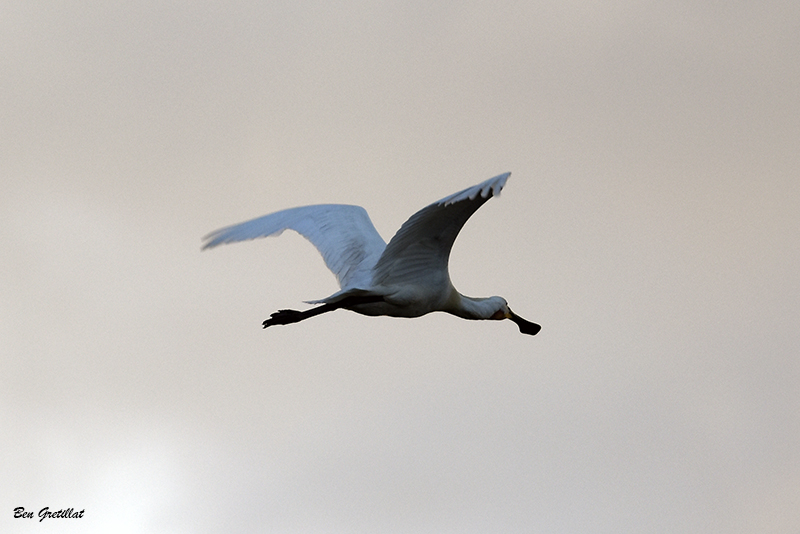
406	278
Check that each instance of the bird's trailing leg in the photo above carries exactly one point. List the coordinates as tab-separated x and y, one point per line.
286	317
295	316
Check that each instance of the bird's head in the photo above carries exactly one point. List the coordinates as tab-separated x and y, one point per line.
504	312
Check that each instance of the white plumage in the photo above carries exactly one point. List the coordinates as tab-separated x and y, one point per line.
406	278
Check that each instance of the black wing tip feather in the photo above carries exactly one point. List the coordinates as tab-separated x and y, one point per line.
486	189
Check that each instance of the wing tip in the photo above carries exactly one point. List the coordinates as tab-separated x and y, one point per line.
214	239
485	189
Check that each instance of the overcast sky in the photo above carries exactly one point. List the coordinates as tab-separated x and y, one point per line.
651	226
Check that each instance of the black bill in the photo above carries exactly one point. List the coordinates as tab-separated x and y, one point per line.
526	327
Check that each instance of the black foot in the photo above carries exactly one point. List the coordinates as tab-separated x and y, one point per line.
283	317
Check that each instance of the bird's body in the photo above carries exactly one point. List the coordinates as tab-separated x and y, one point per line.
408	277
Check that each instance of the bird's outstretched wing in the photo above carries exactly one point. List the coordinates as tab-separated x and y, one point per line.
421	248
343	234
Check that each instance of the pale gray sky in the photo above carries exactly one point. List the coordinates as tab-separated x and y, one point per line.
650	226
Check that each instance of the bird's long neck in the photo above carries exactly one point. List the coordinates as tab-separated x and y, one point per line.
471	307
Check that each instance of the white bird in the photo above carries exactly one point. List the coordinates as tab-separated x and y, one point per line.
406	278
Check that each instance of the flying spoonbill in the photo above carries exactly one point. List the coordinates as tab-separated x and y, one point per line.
406	278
